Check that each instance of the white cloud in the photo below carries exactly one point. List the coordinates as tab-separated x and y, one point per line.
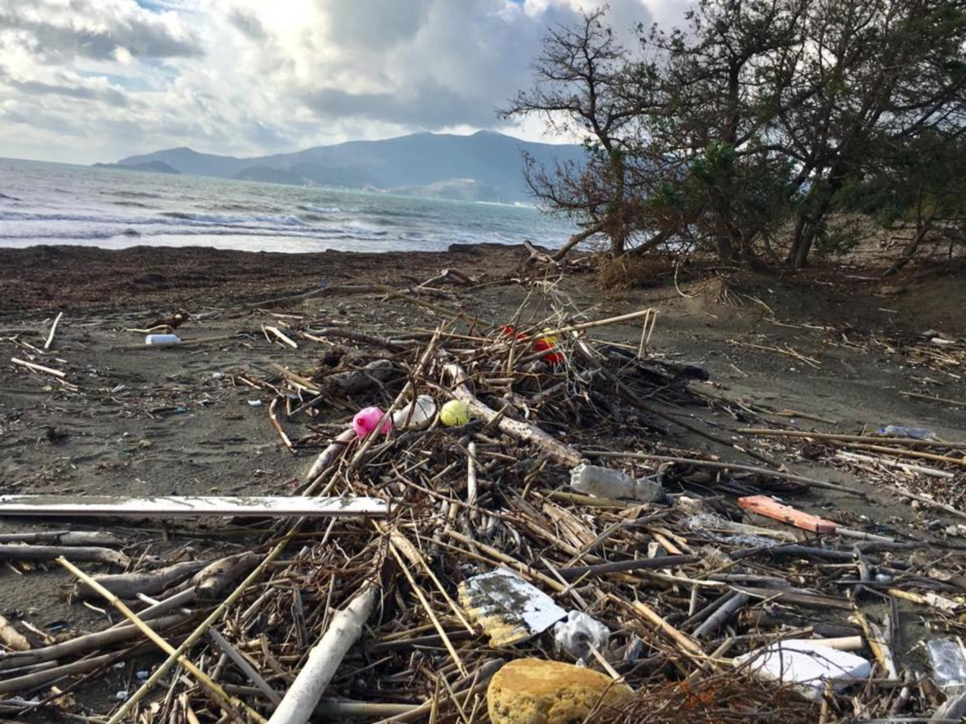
251	77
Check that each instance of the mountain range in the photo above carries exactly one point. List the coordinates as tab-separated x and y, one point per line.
485	166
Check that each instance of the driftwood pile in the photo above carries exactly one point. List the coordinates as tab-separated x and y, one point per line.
362	618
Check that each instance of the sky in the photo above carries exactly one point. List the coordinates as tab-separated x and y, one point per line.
96	80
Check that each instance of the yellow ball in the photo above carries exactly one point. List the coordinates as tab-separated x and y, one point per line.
454	413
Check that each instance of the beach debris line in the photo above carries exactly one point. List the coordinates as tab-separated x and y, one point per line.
555	512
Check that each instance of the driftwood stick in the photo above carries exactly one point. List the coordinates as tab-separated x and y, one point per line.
298	298
395	345
688	645
717	619
225	700
63	537
242	663
472	484
633	565
716	465
278	426
39	678
907	442
331	453
344	630
53	331
199	631
557	451
282	337
49	553
85	644
38	368
428	608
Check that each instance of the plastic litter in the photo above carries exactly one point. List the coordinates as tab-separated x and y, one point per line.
417	415
807	665
606	483
579	633
711	523
914	433
366	420
948	659
162	339
508	608
454	413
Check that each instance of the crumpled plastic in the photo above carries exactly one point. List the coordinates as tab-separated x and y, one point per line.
578	633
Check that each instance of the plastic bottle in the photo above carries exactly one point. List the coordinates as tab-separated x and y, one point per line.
158	339
948	664
417	415
606	483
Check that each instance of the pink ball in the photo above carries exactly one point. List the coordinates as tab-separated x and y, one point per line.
366	420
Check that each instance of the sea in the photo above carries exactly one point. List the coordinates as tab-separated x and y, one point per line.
48	203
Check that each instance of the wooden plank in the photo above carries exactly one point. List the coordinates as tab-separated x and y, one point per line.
189	506
763	505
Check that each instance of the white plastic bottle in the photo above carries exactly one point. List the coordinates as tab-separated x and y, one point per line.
606	483
417	415
159	339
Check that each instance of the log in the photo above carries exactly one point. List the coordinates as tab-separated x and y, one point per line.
554	449
344	630
217	576
63	538
720	617
49	553
217	694
84	644
184	506
576	239
128	585
331	453
355	381
11	637
39	678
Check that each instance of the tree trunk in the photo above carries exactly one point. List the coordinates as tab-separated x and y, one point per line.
577	239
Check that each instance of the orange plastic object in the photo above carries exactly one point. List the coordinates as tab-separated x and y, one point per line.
763	505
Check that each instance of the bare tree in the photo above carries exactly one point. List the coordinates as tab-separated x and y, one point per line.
586	87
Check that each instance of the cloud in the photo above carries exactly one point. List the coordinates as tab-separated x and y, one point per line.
249	77
97	29
108	95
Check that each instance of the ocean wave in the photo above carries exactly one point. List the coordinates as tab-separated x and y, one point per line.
229	219
320	209
134	194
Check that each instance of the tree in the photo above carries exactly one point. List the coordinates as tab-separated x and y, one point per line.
754	120
874	75
720	80
586	87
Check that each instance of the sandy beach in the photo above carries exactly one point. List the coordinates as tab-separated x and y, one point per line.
183	421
